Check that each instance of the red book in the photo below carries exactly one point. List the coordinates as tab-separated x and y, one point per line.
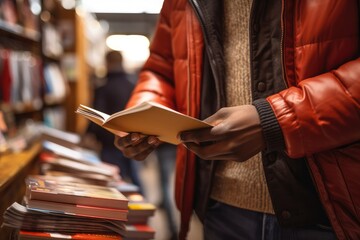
6	77
142	231
27	235
78	210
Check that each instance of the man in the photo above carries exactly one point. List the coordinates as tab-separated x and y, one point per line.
279	81
110	98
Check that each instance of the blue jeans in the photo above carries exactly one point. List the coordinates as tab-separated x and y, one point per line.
224	222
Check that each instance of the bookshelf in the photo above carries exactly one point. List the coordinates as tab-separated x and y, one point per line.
19	32
23	98
62	43
20	54
75	67
56	86
76	58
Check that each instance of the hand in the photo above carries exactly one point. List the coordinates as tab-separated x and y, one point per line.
136	146
236	135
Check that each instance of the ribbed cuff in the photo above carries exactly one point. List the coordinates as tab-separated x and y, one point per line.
272	132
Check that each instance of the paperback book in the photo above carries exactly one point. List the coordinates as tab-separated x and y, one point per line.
147	118
29	235
78	210
40	188
19	217
138	231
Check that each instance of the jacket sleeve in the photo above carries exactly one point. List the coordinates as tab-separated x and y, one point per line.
319	114
155	82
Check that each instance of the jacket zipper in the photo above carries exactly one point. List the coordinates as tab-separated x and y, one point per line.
212	62
282	44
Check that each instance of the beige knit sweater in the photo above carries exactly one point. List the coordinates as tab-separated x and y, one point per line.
239	184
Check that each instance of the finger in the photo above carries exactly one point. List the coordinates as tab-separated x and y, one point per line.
129	140
143	155
198	136
143	147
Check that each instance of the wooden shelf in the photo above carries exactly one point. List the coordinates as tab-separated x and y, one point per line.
14	169
19	32
11	164
22	108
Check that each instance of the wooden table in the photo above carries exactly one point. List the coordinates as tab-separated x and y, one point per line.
14	168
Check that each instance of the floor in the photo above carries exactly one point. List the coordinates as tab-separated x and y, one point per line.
150	180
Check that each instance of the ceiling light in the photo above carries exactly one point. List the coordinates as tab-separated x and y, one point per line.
123	6
134	48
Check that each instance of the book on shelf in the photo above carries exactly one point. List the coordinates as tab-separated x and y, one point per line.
78	210
20	217
61	137
79	177
147	118
145	209
55	116
40	188
56	163
124	187
75	153
55	84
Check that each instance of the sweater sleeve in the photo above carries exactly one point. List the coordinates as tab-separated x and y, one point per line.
271	129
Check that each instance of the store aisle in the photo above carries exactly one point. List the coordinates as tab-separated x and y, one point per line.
150	180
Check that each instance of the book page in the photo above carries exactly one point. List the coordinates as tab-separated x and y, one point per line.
92	114
141	107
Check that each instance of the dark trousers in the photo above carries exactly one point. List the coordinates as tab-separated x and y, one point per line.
227	222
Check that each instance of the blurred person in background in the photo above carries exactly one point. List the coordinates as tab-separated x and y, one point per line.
111	97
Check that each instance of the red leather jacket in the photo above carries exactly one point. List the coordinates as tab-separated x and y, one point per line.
318	112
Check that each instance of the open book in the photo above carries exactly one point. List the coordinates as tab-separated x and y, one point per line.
147	118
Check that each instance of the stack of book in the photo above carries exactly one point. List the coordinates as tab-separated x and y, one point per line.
86	200
80	165
140	210
43	224
63	158
67	208
77	196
